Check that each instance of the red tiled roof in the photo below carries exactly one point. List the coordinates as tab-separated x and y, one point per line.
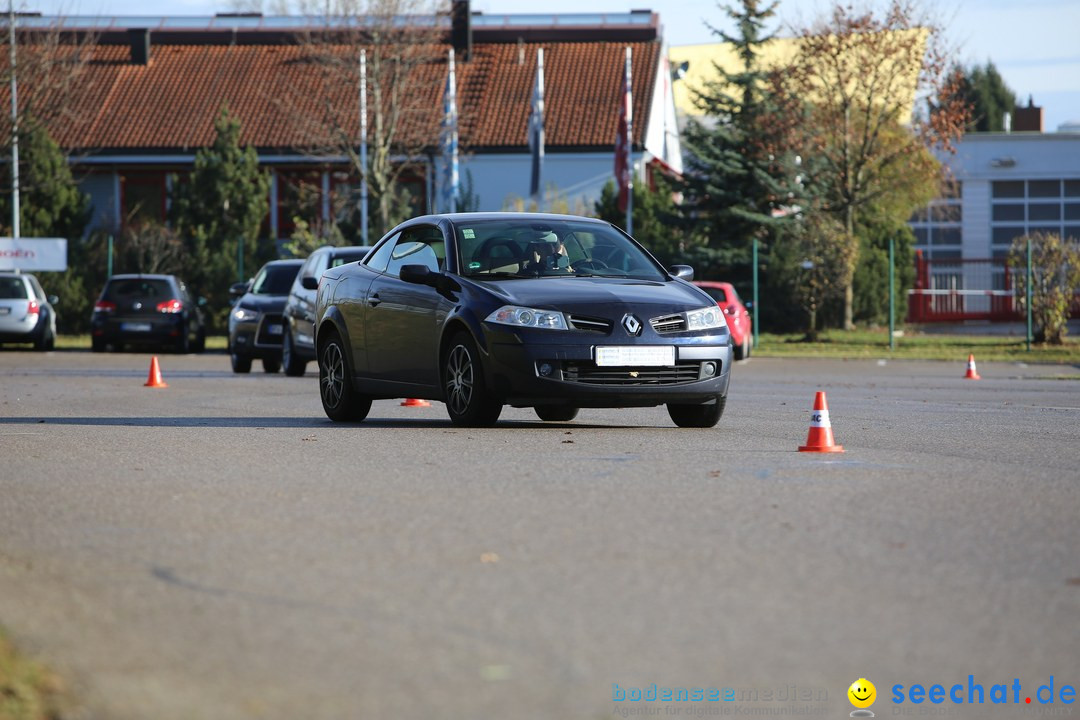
170	104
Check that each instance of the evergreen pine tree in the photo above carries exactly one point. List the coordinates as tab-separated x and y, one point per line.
739	174
221	203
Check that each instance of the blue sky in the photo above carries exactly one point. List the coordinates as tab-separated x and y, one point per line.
1033	43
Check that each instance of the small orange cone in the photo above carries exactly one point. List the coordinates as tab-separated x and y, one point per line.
820	438
154	379
972	373
413	402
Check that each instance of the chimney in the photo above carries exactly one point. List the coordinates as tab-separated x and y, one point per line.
1028	119
140	45
461	29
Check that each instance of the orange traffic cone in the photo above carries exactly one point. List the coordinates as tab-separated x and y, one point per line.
820	438
972	373
154	379
413	402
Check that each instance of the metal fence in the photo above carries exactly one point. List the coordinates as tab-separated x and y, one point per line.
966	289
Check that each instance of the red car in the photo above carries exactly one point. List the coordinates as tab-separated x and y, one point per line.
736	314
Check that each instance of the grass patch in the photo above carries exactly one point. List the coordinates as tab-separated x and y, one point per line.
28	691
82	342
874	344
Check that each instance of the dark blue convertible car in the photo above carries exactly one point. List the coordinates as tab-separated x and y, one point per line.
553	312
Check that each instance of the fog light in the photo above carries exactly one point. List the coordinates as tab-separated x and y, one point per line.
708	369
545	369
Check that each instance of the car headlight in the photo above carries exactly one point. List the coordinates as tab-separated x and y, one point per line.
243	314
528	317
705	319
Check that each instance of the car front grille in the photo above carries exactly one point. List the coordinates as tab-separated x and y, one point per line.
668	323
264	336
581	322
587	373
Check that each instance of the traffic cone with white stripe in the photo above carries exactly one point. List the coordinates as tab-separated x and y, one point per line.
415	402
820	438
972	373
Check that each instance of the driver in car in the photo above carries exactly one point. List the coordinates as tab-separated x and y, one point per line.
546	254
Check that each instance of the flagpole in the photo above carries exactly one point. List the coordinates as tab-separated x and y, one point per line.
14	126
629	146
536	131
450	141
363	150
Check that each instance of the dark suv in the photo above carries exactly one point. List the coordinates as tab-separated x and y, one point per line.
297	344
255	322
147	310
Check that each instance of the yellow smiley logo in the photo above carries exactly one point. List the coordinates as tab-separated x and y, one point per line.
862	693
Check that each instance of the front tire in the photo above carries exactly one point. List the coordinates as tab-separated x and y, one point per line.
294	366
271	365
698	416
340	401
556	413
240	363
467	400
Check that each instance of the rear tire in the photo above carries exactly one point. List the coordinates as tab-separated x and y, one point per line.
340	401
698	416
240	363
47	341
294	366
556	413
467	400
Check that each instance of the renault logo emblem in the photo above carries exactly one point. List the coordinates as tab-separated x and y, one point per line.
632	324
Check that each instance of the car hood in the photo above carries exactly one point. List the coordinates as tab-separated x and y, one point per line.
580	293
263	303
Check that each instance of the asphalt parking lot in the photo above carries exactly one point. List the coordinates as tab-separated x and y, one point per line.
219	549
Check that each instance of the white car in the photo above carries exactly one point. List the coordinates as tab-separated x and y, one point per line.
26	312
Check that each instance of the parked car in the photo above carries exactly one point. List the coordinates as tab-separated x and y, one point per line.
255	322
553	312
26	313
148	310
298	341
736	314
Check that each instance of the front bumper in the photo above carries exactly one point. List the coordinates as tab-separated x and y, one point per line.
525	374
260	338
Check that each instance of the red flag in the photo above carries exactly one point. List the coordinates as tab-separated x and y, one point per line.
623	140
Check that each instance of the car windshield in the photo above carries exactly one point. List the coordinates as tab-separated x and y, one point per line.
541	247
275	280
12	288
716	293
142	288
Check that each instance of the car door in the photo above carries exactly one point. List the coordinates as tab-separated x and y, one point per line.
401	327
302	313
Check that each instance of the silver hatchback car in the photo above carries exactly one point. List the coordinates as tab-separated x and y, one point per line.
26	312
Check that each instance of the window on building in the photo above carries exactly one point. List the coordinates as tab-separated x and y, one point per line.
938	227
142	198
1025	207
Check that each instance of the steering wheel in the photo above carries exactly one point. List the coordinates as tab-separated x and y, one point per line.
590	264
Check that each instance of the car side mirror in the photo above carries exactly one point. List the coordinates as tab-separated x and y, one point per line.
682	272
309	282
748	305
237	289
419	275
53	299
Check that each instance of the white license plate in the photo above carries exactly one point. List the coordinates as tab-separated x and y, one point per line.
273	329
5	311
635	356
135	327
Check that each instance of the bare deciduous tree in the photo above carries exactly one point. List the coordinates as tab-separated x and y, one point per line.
406	67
